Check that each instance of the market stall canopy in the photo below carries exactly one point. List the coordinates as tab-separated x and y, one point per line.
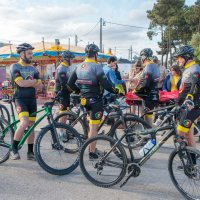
45	52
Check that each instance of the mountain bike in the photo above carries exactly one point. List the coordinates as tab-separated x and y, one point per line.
52	154
114	165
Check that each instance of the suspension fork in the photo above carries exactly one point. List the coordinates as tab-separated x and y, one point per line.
54	133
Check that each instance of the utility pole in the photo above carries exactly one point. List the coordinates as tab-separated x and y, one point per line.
131	53
76	40
69	44
43	44
101	24
10	48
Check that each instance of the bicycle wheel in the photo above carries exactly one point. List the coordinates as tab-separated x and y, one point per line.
134	123
184	173
73	120
55	159
6	139
108	169
4	113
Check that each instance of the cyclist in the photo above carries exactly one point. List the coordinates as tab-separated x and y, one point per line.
147	86
91	80
26	81
62	75
190	91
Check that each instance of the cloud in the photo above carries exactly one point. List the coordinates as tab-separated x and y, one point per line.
63	20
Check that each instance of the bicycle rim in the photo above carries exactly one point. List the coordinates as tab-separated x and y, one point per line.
184	173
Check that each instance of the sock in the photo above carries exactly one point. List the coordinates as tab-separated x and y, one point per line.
15	145
30	148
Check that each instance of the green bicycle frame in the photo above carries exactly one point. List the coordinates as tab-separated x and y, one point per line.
26	134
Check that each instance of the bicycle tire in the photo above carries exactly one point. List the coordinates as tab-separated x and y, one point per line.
8	137
173	176
128	118
82	128
4	113
123	159
40	143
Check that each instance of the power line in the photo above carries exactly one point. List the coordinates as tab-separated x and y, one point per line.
133	26
90	30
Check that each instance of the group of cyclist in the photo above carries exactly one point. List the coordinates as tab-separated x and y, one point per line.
94	82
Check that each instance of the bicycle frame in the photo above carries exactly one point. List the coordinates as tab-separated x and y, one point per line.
149	132
26	134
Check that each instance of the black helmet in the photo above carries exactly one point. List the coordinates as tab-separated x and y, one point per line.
67	55
155	59
91	49
24	47
146	54
186	52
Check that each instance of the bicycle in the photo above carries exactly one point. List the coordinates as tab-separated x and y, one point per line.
4	113
112	164
114	111
53	155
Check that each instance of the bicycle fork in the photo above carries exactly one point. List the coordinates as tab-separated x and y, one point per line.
56	142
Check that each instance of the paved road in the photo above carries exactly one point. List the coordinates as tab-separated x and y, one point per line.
25	180
22	180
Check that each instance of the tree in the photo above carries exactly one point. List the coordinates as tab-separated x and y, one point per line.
177	21
195	42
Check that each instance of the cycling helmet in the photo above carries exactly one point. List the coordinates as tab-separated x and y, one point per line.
67	55
91	49
186	52
24	47
155	59
146	54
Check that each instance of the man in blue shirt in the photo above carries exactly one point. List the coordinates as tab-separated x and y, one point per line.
110	74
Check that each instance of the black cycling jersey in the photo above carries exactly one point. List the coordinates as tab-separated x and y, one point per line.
62	75
148	83
20	72
190	83
90	79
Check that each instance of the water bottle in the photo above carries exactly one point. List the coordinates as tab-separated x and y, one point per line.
147	147
158	121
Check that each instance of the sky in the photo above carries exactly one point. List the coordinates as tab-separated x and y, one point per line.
28	21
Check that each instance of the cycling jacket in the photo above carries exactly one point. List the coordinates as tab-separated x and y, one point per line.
62	75
20	72
90	79
148	83
190	84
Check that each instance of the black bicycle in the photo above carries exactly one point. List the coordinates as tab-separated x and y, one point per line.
112	163
114	112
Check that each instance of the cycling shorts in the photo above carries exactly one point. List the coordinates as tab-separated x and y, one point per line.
26	107
150	105
95	108
187	119
64	103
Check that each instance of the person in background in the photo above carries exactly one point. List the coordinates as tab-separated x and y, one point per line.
112	79
134	75
119	77
117	72
172	81
163	72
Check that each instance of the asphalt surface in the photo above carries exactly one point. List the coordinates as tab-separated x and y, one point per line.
25	180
